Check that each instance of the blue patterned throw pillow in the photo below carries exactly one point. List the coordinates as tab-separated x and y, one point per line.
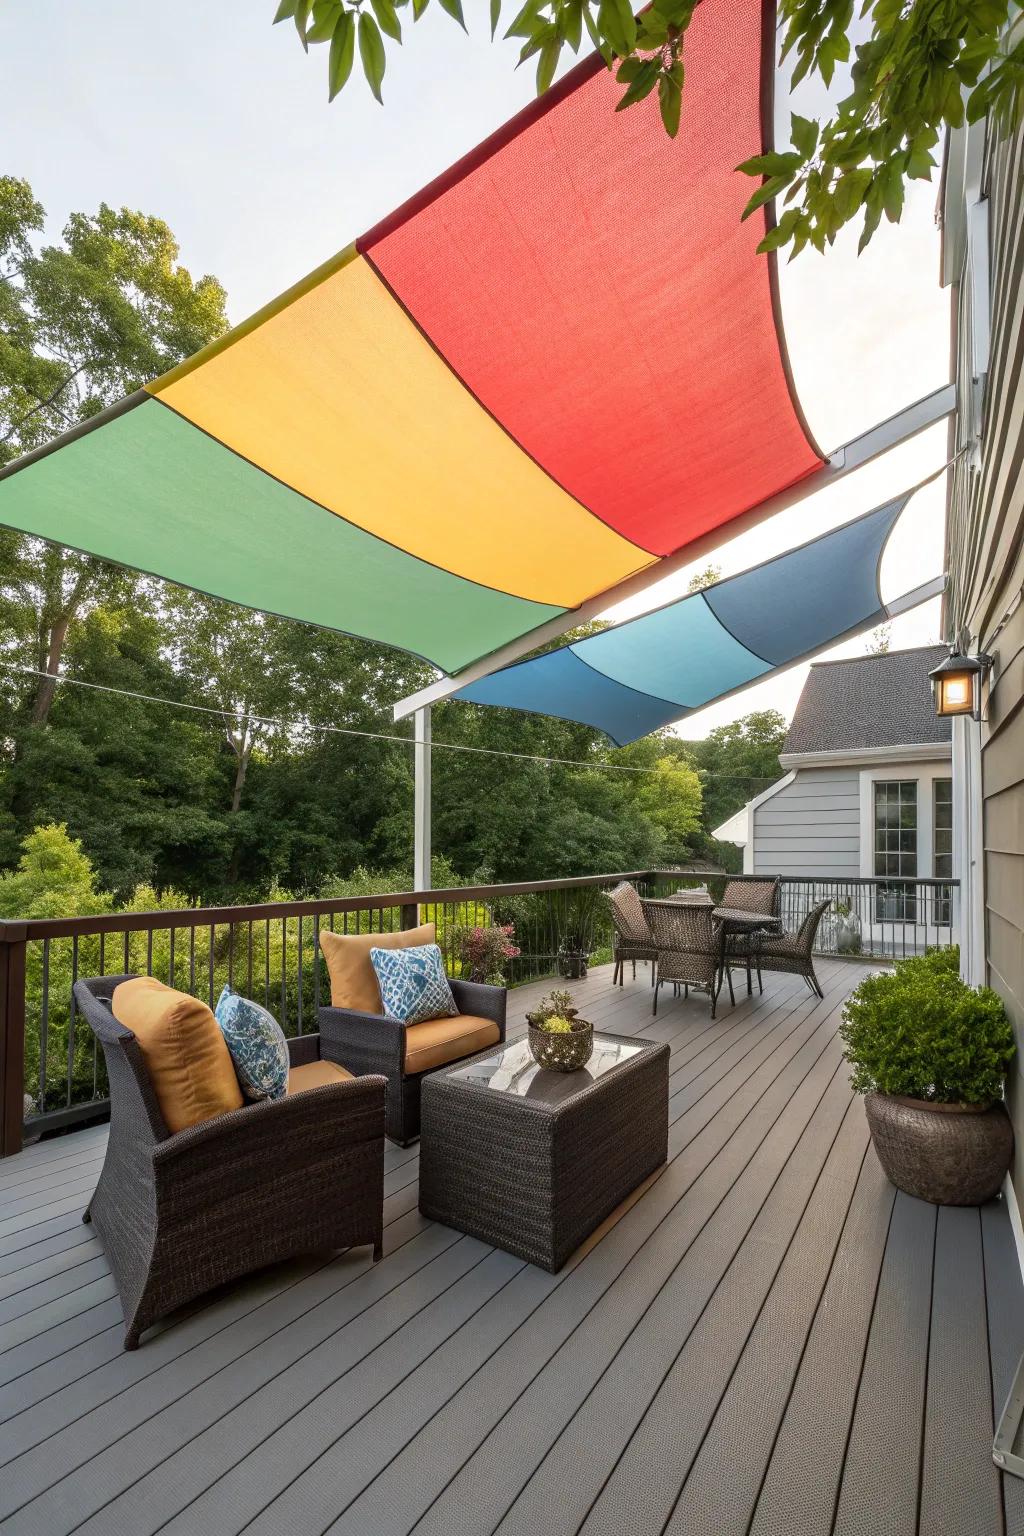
259	1050
413	985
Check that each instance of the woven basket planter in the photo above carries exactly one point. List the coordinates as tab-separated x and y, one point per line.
950	1154
566	1052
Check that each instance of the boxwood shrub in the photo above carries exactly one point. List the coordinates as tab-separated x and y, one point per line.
921	1032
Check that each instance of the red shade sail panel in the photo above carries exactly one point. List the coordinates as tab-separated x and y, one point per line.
590	281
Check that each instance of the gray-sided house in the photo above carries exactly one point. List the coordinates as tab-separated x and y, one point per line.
867	794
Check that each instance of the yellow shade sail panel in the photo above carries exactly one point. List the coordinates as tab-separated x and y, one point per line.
340	396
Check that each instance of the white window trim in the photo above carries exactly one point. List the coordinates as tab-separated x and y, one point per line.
925	774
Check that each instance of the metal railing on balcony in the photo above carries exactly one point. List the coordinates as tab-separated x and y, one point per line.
51	1074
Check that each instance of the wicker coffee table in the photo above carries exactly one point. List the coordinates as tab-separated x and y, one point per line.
531	1160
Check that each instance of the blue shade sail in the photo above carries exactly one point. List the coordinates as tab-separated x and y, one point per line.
654	669
781	609
681	653
559	683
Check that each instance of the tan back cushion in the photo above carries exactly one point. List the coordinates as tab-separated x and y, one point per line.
353	979
188	1061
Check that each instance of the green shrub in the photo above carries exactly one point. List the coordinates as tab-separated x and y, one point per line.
921	1032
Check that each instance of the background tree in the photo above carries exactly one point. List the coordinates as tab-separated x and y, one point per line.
737	761
705	578
910	75
85	323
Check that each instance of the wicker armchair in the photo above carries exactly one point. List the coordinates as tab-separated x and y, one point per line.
632	939
181	1213
792	951
688	947
371	1042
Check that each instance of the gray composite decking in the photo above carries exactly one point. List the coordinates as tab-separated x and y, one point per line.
766	1338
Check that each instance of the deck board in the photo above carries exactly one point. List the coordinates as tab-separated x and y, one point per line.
764	1339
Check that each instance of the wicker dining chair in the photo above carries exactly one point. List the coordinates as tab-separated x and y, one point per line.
632	939
792	952
179	1213
753	896
762	897
688	947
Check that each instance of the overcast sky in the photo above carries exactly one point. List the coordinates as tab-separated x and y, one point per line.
208	116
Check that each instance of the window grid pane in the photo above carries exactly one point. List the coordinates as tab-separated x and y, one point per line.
896	848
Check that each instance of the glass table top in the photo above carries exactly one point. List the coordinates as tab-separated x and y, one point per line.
511	1069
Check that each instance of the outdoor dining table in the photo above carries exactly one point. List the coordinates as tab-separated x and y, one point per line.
739	920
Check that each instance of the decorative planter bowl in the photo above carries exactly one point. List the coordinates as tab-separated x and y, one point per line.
565	1052
950	1154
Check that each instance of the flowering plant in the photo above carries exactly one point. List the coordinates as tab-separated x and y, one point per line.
483	950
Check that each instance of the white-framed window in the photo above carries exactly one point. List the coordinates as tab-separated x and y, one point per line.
942	845
906	833
895	848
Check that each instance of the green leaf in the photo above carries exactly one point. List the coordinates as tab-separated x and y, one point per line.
454	9
804	134
572	18
893	191
641	80
771	164
763	195
285	10
418	7
343	48
547	64
371	52
612	19
388	21
325	17
603	48
301	17
850	191
670	98
495	16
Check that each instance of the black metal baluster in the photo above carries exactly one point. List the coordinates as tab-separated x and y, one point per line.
44	1027
72	1018
300	973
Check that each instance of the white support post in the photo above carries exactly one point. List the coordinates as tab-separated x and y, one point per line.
421	797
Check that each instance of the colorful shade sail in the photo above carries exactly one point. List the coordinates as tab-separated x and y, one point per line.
654	669
555	366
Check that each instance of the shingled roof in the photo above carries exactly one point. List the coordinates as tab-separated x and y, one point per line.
868	701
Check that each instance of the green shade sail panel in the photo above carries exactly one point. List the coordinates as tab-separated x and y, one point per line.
558	365
175	503
660	667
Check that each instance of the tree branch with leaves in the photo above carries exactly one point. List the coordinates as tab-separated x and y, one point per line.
924	66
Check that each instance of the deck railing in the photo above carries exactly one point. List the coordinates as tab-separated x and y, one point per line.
51	1074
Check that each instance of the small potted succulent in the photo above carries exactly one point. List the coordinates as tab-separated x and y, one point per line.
559	1039
930	1055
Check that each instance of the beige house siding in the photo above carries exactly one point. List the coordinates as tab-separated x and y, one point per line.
986	566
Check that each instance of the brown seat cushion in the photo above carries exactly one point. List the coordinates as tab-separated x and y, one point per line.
316	1074
438	1041
353	979
186	1057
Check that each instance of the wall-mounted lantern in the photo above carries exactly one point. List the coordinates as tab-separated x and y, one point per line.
956	684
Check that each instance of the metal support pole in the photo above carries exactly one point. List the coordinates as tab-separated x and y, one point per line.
421	849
